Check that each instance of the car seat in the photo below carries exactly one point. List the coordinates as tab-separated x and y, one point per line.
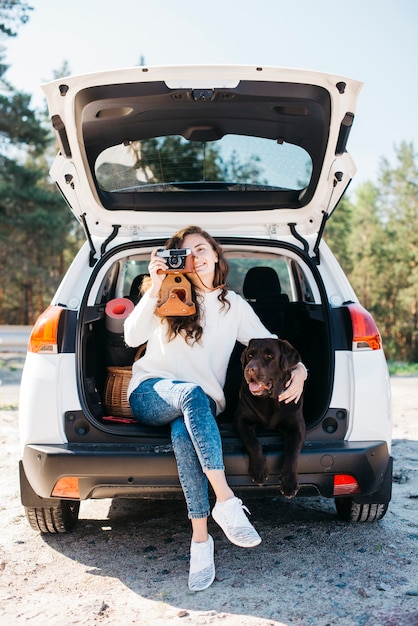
262	289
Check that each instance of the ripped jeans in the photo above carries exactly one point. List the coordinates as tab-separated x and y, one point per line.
194	433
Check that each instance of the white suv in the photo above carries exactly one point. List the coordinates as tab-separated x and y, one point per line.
257	157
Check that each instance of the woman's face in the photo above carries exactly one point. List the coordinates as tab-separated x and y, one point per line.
204	260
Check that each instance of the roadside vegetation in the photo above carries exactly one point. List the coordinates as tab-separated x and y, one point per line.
374	231
402	369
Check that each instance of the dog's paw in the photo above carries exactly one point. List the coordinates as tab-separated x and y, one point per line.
289	486
258	472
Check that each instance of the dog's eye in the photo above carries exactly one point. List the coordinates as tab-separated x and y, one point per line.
268	356
250	355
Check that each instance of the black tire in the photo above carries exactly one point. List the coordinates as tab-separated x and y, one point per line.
60	518
350	511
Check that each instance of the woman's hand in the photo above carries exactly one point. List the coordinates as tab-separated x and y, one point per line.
156	263
294	386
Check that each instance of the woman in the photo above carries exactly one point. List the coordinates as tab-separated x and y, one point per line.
180	381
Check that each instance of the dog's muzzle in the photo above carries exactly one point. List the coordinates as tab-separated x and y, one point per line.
258	388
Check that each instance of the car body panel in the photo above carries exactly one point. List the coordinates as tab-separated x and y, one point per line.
48	386
372	397
110	471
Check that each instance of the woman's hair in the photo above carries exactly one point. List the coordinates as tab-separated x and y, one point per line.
191	326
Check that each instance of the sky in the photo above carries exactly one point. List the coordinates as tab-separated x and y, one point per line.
374	41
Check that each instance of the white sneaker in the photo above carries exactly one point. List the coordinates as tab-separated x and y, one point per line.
231	518
202	566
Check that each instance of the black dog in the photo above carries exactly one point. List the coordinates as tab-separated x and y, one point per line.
267	365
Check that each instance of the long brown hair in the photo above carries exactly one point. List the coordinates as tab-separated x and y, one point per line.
191	326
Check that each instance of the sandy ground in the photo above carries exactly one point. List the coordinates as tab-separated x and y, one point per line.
127	561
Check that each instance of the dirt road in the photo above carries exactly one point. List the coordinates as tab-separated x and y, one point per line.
127	561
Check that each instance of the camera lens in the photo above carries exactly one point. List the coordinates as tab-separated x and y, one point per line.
175	261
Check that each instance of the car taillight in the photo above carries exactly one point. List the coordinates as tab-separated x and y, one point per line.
366	335
44	335
345	484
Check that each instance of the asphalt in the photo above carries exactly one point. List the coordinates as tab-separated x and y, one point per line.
13	347
14	338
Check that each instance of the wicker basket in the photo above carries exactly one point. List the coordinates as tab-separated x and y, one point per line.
116	387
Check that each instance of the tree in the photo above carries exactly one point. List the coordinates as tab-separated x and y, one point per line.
20	125
375	238
13	13
365	242
162	160
398	206
337	233
36	232
379	243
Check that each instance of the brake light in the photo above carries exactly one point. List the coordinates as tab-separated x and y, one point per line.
67	487
345	484
366	335
44	335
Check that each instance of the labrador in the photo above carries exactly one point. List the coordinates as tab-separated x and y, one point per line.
267	365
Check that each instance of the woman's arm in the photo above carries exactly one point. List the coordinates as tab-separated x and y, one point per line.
138	325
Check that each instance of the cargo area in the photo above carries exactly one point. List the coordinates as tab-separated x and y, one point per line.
272	285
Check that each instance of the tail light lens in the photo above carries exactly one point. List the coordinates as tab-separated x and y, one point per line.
67	487
366	335
44	336
345	485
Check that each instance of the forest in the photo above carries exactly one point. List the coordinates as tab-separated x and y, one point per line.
373	232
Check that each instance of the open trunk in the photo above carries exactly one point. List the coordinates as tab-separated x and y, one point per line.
283	290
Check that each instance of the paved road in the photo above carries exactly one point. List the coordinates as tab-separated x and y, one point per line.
13	345
14	338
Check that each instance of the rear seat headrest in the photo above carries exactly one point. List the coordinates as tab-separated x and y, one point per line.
261	282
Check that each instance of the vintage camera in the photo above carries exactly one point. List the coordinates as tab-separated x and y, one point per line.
179	261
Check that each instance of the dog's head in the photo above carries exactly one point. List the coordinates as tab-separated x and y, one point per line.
267	364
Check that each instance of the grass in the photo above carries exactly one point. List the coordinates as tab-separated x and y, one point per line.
398	368
9	407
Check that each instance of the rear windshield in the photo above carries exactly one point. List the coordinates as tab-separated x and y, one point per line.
174	163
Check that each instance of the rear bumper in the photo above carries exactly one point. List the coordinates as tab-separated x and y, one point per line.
137	470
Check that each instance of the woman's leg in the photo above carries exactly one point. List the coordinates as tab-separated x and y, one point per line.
199	449
199	529
151	407
201	425
192	478
158	402
202	563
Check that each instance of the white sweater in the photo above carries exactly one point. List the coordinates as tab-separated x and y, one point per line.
205	362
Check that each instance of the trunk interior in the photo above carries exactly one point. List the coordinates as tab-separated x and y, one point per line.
277	289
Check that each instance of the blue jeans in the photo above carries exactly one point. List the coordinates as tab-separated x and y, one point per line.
194	433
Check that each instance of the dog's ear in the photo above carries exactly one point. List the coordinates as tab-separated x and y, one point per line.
289	356
244	357
244	353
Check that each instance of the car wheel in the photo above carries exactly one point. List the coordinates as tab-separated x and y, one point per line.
350	511
54	519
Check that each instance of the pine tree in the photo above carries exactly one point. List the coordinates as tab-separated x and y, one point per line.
35	225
